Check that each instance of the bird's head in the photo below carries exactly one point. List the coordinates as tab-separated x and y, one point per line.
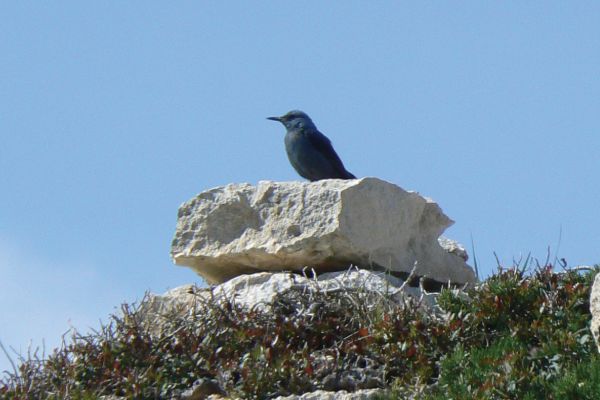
295	119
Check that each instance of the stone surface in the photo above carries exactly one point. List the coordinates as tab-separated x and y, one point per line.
327	225
452	246
203	389
260	290
155	310
366	394
595	310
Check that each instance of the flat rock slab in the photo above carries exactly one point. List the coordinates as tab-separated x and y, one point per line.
260	291
326	225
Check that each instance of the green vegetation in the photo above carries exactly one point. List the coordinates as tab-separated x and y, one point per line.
517	335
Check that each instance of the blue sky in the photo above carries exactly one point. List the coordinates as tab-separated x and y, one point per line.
114	113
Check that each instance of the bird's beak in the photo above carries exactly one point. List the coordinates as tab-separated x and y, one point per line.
275	118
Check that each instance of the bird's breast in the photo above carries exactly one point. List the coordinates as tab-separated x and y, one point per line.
298	143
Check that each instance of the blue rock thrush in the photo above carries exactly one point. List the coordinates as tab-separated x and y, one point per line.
309	151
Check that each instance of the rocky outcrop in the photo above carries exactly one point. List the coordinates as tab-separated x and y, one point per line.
295	296
261	290
326	225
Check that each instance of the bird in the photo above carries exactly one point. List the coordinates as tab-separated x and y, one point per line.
309	151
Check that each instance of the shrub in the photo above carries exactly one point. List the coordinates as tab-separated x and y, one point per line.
515	335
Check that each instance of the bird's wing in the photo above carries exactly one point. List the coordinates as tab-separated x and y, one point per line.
323	145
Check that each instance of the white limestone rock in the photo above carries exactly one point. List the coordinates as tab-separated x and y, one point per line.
452	246
326	225
261	290
595	310
156	310
365	394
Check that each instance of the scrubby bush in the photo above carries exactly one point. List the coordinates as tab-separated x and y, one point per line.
517	335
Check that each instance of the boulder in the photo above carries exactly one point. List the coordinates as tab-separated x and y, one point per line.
261	290
326	225
595	310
